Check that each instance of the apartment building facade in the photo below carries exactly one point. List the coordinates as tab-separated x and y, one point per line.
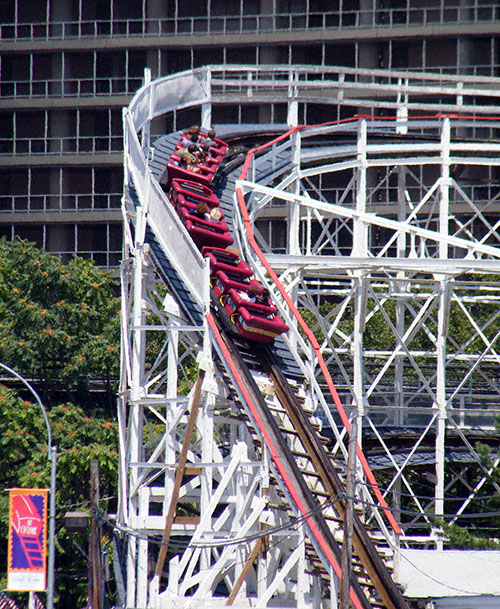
68	67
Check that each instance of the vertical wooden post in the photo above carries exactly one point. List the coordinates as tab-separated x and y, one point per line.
95	570
345	581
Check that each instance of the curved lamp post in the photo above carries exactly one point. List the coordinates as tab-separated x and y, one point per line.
52	505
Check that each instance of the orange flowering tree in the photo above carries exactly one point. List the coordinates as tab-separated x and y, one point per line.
59	323
59	328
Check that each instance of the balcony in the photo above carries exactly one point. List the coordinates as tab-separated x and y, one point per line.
487	11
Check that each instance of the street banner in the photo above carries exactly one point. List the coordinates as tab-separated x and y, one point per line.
27	551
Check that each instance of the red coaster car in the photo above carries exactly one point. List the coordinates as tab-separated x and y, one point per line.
255	321
190	194
220	147
225	281
217	146
235	300
176	169
227	261
204	232
208	162
213	155
258	328
244	311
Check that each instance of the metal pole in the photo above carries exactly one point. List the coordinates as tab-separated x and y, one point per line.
52	455
95	575
52	528
37	398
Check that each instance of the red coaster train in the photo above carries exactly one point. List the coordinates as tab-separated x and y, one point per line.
239	297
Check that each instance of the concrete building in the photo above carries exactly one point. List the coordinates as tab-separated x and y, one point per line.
68	67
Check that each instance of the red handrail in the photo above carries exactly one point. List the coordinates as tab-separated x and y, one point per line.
305	328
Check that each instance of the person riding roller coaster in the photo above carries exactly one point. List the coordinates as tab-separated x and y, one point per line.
250	295
204	212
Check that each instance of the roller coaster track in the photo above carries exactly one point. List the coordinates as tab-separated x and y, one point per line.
305	474
238	533
372	585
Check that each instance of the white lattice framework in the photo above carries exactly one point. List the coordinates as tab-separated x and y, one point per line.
420	270
392	240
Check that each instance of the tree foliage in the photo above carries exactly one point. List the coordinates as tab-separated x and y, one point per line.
59	328
24	464
59	324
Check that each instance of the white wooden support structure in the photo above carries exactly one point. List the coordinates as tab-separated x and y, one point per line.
391	240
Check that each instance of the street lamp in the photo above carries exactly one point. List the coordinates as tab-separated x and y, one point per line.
52	504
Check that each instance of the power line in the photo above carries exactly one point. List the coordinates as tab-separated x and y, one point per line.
294	522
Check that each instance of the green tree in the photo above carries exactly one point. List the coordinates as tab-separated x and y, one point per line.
79	439
59	328
59	324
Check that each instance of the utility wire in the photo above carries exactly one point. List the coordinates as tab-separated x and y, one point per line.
294	523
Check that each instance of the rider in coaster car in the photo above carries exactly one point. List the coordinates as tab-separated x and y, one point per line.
264	297
202	211
250	295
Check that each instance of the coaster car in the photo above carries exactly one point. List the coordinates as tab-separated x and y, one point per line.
189	194
225	281
205	232
254	321
230	277
216	151
177	169
219	147
227	261
235	300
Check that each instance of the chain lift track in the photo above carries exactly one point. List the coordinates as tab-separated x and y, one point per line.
256	504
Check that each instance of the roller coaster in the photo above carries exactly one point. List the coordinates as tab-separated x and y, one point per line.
234	452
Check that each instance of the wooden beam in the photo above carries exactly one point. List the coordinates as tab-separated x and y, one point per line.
345	580
241	578
179	474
